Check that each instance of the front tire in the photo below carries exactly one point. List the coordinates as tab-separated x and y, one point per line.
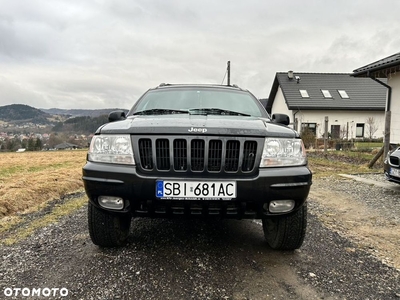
286	232
107	229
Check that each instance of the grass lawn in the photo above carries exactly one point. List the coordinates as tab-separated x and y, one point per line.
31	178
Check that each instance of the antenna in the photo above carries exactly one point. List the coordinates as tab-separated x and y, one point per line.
229	72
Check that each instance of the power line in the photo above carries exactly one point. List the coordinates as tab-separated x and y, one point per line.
224	77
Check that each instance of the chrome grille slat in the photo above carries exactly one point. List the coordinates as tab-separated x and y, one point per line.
146	156
249	155
162	154
180	155
232	156
214	155
197	157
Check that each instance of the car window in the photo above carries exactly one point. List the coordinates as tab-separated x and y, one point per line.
199	98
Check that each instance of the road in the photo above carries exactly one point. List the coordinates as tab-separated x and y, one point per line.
185	259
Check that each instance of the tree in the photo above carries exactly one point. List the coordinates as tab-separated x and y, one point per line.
344	132
38	144
54	140
31	144
12	144
24	144
371	127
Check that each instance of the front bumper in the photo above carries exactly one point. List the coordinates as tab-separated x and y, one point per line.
390	177
253	193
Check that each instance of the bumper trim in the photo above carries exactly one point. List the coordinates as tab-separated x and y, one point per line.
291	184
102	180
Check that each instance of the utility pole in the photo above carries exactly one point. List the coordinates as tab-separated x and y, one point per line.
229	72
326	135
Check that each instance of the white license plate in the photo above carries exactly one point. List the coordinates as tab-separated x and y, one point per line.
395	172
195	190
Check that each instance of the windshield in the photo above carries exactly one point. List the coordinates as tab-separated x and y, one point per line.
231	102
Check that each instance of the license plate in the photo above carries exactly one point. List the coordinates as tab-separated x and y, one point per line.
195	190
395	172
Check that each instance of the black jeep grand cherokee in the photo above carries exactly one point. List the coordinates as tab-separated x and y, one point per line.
197	151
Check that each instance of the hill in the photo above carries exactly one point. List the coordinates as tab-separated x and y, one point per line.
83	124
79	112
83	121
21	113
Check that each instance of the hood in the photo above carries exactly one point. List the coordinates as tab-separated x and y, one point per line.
184	124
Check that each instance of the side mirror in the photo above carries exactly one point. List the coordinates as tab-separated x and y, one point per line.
281	119
117	115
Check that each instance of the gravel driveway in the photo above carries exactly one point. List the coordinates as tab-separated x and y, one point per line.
219	259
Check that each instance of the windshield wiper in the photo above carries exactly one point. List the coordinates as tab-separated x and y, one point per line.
216	111
160	111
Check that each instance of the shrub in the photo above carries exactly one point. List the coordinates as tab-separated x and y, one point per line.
308	137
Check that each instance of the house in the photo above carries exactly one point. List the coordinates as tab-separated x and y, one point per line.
355	107
66	146
388	68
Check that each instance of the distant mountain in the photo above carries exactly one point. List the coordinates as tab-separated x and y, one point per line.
83	124
79	112
84	121
21	113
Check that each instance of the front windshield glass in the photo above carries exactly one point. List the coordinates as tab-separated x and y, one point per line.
187	99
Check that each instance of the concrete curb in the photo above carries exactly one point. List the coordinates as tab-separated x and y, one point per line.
370	181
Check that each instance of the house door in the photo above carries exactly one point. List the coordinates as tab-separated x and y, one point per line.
335	131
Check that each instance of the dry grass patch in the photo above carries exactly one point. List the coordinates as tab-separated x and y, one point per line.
31	178
334	163
27	230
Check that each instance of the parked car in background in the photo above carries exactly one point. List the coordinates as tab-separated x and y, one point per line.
392	166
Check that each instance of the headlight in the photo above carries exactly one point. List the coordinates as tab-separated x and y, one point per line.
114	149
283	152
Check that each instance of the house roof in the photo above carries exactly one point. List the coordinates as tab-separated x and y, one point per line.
380	68
263	101
363	93
65	145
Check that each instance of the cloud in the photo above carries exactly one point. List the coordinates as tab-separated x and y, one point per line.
93	54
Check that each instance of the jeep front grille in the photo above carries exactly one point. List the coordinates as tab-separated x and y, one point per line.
212	155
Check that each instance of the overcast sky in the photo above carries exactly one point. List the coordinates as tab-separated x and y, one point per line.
105	54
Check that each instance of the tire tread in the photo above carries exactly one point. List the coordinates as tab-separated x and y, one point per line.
107	229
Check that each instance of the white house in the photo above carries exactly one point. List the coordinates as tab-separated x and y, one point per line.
388	68
355	107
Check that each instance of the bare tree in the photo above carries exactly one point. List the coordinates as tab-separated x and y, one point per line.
344	133
371	127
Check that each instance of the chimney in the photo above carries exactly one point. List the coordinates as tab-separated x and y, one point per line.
290	75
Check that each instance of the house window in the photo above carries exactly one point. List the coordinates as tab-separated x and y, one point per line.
304	94
360	130
343	94
310	126
326	93
335	131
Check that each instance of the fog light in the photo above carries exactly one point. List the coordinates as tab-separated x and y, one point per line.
281	206
111	202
